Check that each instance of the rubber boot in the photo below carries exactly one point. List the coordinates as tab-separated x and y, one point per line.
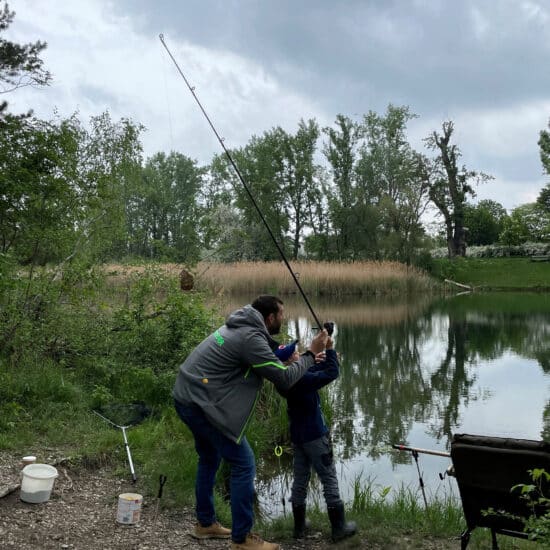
301	524
340	528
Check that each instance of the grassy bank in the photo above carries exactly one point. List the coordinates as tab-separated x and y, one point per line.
79	343
495	273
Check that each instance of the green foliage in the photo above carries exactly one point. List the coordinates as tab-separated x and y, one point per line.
280	172
379	191
20	64
269	423
528	222
400	508
538	523
543	200
68	345
484	222
163	209
394	178
544	149
40	204
110	155
525	250
64	187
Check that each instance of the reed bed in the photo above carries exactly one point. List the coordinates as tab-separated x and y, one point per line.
316	278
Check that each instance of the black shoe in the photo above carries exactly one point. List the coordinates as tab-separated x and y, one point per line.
301	524
341	528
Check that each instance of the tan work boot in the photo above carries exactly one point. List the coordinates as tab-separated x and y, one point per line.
254	542
214	531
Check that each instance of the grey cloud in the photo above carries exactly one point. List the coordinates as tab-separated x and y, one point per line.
430	56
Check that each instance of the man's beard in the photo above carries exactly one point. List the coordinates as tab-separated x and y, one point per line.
275	328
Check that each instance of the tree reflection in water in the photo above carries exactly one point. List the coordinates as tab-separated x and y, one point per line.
414	368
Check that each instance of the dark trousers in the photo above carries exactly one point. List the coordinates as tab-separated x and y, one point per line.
316	454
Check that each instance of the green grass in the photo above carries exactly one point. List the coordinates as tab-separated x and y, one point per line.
67	356
495	273
395	518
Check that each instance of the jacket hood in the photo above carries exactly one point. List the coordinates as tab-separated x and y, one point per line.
247	316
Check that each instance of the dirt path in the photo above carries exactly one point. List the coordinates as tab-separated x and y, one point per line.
81	515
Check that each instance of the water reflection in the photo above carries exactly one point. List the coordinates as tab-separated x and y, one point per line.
417	372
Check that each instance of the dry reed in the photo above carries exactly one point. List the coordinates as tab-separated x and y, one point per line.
316	278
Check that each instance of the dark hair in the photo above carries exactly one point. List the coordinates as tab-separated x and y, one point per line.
267	304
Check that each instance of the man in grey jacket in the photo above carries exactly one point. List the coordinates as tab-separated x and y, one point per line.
215	393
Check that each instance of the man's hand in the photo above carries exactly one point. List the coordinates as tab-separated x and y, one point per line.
319	342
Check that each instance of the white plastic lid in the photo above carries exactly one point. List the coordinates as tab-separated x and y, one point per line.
39	471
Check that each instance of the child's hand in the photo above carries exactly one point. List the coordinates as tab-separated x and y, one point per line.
294	357
330	343
320	357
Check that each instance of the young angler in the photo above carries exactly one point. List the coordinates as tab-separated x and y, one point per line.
311	443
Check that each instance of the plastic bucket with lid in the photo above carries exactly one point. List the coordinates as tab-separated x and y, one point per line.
37	482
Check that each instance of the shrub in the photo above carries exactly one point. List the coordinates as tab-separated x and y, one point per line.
499	250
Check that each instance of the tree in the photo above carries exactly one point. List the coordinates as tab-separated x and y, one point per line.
279	170
262	165
544	145
163	209
527	222
41	199
484	222
380	186
450	187
20	65
543	200
341	153
110	163
393	178
301	179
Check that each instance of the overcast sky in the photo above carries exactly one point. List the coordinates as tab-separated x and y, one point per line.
259	64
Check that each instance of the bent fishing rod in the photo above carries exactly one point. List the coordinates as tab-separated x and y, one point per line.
328	326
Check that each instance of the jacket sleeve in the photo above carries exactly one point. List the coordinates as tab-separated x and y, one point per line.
319	375
263	362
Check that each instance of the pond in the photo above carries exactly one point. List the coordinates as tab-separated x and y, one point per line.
417	372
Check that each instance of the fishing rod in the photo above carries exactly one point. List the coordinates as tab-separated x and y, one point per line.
246	187
413	450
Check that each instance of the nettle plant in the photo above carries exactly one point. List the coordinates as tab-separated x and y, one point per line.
538	524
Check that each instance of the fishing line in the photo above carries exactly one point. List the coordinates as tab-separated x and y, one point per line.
246	187
167	99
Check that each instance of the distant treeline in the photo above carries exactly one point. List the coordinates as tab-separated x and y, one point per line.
353	191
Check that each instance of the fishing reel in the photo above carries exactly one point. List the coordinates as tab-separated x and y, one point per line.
329	326
450	472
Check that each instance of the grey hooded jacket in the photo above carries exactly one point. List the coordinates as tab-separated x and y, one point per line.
224	373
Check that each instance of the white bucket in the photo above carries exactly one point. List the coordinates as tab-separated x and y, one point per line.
37	482
129	508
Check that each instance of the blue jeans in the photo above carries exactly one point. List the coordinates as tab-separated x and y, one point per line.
211	446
